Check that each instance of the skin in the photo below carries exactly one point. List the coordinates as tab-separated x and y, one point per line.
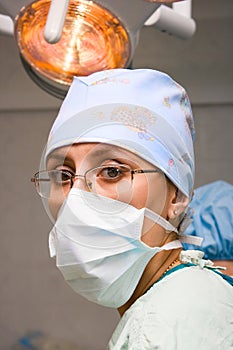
152	190
228	264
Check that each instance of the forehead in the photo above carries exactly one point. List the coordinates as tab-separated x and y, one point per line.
94	151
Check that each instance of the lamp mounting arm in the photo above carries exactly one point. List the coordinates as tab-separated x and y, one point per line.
55	20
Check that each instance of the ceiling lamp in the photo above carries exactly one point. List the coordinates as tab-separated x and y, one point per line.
58	39
92	39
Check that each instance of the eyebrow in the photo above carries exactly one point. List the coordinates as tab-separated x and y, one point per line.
109	148
110	152
57	156
104	151
102	148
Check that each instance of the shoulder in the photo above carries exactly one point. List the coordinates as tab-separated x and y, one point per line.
196	283
191	293
190	287
187	304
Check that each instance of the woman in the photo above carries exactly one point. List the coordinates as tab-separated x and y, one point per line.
119	176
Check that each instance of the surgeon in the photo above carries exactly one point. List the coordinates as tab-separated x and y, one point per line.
116	178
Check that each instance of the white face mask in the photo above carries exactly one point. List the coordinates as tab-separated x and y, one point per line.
98	247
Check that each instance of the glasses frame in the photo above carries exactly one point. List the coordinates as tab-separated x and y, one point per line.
36	181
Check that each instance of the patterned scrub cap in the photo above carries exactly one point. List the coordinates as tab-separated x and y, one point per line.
213	220
141	110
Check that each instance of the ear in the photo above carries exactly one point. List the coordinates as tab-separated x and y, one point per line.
178	203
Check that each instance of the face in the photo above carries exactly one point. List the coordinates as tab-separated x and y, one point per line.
151	190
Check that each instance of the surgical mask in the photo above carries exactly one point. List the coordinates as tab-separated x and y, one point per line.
98	247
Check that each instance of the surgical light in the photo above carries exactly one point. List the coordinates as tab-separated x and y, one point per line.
92	39
58	39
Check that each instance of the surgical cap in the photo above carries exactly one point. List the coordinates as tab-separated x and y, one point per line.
141	110
213	220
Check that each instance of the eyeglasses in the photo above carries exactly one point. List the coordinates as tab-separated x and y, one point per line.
106	180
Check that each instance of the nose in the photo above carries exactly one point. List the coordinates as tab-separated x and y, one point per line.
80	183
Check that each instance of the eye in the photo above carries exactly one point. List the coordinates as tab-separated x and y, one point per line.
60	176
113	172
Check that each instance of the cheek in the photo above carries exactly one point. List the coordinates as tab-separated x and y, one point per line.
157	199
150	192
54	206
139	195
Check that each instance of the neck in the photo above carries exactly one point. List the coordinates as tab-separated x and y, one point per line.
154	270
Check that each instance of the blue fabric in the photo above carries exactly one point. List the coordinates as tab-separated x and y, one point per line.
213	220
142	110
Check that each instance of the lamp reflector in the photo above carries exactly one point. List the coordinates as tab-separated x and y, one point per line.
93	39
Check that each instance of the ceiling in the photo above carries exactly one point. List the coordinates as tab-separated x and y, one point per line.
203	64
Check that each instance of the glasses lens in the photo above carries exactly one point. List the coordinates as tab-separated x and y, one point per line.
53	184
113	180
